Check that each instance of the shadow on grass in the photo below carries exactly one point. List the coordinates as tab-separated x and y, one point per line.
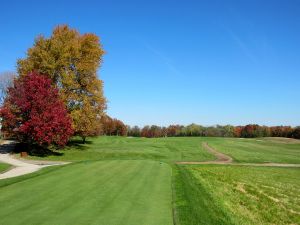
35	150
78	144
6	148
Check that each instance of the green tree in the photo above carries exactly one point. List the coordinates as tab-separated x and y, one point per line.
71	61
193	130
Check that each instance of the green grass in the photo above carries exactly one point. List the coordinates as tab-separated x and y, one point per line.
3	167
181	149
92	192
217	194
258	150
162	149
120	181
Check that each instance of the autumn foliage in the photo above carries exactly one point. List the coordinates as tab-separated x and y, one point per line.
112	126
71	61
248	131
33	112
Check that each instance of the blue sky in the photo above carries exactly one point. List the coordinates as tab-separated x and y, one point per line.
178	62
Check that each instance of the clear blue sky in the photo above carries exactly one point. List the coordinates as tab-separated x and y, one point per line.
208	62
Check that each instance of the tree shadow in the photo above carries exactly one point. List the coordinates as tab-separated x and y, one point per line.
6	148
40	151
36	150
78	144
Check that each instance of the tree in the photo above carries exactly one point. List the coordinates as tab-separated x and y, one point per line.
193	130
254	130
108	126
134	131
227	131
145	132
281	131
6	81
174	130
34	113
155	131
113	126
296	133
238	131
164	132
71	61
86	121
121	129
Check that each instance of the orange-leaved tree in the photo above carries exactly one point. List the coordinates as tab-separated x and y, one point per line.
71	61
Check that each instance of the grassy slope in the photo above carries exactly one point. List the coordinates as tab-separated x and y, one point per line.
215	194
166	149
103	192
181	149
3	166
258	150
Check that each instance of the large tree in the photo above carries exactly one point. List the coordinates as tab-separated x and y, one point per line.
33	112
71	61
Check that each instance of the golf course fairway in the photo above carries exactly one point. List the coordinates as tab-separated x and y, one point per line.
133	192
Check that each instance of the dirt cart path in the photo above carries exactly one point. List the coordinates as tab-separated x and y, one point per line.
227	160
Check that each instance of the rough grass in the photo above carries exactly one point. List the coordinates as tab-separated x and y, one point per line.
98	192
3	167
216	194
258	150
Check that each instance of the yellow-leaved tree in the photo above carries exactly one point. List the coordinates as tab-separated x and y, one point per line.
71	60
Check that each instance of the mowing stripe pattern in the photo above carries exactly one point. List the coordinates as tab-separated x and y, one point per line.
133	192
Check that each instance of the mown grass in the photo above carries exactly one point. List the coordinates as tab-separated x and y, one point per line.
179	149
92	192
3	167
216	194
258	150
162	149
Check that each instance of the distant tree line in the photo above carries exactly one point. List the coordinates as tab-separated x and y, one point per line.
194	130
112	126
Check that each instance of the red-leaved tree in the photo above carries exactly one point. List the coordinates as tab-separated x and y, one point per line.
33	112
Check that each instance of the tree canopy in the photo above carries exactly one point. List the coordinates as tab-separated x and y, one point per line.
112	126
71	61
33	112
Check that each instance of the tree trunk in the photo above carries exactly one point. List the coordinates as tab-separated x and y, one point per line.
83	140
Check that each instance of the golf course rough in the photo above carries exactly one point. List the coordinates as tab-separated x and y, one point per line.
133	192
234	195
4	167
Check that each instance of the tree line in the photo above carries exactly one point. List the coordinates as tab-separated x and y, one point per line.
194	130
